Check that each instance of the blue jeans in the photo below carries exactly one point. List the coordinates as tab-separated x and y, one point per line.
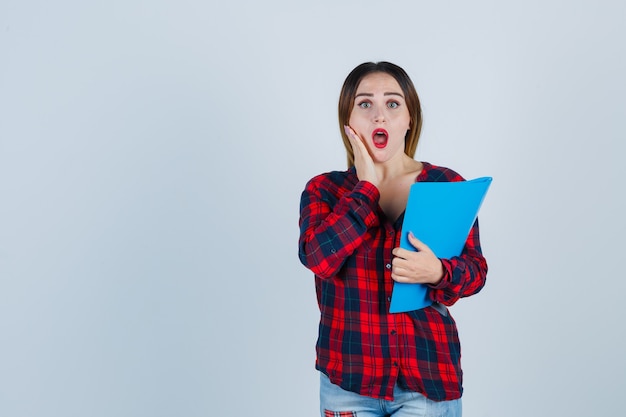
337	402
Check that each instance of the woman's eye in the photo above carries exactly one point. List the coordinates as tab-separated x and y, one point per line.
365	105
393	105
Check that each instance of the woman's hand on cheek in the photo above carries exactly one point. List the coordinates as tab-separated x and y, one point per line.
421	267
363	162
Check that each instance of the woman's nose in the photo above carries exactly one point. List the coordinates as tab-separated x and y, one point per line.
379	116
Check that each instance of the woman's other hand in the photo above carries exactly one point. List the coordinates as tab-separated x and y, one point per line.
363	162
421	267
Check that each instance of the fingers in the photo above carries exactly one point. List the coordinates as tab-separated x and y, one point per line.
358	147
421	266
401	271
400	253
349	131
398	266
425	271
417	244
363	161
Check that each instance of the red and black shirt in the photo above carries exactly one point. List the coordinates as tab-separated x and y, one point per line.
346	240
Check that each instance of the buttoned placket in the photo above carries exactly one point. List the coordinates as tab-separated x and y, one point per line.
391	241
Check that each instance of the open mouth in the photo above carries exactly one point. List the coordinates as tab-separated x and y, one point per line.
380	137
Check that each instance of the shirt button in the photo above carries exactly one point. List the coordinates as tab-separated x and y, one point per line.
388	266
393	332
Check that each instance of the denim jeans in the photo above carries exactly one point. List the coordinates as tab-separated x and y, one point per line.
337	402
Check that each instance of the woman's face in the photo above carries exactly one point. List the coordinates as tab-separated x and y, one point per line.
380	116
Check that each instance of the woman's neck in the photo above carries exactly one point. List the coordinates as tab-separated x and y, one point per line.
403	165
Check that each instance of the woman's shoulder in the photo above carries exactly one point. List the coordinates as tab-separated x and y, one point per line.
436	173
335	178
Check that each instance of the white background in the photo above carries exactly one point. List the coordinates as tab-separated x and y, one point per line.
152	155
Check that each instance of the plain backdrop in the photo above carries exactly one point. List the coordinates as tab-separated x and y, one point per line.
152	156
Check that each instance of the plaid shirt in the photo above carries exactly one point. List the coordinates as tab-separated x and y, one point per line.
346	240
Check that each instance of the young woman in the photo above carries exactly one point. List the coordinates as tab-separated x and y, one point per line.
372	362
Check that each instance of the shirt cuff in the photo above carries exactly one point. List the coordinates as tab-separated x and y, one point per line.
447	274
367	190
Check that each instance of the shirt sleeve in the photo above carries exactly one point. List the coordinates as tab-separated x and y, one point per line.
464	275
333	227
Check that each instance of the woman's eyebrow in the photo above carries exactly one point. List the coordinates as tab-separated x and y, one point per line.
391	93
394	94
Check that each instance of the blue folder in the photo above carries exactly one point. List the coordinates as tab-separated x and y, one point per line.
440	214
